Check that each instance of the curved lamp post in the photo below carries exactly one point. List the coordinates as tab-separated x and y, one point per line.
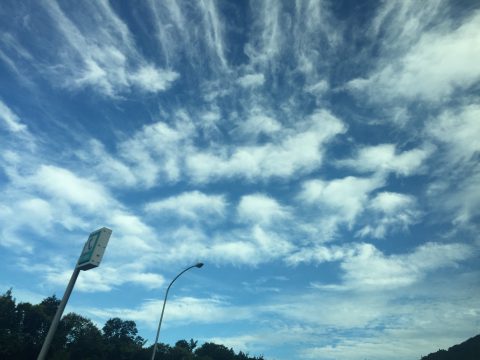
199	265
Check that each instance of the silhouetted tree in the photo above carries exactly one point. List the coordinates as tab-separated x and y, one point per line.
80	338
34	322
121	339
214	352
468	350
9	327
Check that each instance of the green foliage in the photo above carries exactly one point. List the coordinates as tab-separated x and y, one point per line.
23	328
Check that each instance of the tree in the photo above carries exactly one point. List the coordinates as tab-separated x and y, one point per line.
34	322
164	351
121	339
9	327
80	338
214	352
467	350
183	350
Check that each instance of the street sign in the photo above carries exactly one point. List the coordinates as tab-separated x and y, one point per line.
93	249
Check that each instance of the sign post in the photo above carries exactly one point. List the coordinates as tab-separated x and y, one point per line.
90	257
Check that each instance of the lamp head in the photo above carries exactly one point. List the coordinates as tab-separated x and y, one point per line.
199	265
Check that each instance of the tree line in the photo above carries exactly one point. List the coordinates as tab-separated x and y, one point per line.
467	350
23	328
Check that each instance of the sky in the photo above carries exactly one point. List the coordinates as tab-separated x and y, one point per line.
320	157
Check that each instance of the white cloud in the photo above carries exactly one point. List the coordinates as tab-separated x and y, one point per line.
271	245
459	131
107	61
455	189
410	329
152	79
390	202
105	279
154	152
299	151
200	42
384	158
260	208
27	211
328	310
167	152
242	252
15	55
62	184
320	254
375	322
389	212
433	68
258	123
133	239
252	247
345	198
56	199
467	200
181	310
245	343
8	238
190	205
372	322
108	168
370	269
214	30
210	118
251	80
267	24
248	245
11	120
367	268
319	88
39	213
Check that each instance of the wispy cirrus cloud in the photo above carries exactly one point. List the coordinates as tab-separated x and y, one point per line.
107	61
201	43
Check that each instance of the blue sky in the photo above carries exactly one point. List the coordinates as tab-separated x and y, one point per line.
320	157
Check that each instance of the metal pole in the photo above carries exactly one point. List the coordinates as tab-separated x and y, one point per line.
199	265
58	315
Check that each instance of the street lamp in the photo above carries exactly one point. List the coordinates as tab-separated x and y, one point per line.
199	265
